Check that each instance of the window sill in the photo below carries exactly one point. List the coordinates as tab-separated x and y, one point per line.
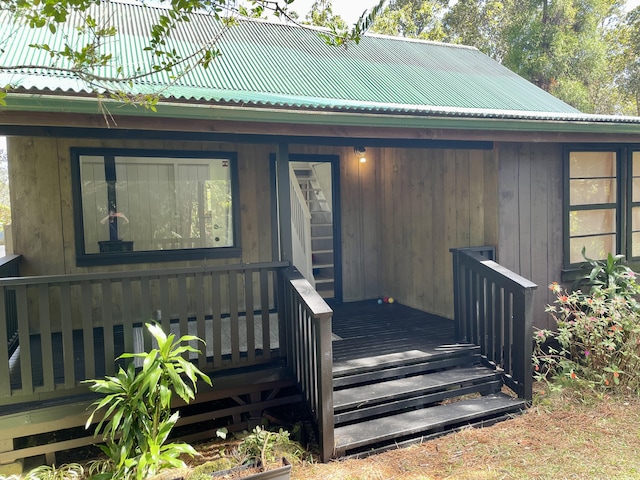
123	258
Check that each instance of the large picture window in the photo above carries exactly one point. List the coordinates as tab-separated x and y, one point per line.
139	206
603	204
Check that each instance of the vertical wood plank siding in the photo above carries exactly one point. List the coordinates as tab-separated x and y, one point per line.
403	210
530	216
56	357
494	309
310	353
432	200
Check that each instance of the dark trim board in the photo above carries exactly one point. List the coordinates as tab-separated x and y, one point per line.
127	134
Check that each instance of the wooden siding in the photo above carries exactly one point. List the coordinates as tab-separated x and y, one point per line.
40	170
431	201
401	212
530	215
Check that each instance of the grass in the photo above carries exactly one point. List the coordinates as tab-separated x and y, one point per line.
565	435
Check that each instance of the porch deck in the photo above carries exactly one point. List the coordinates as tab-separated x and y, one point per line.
363	330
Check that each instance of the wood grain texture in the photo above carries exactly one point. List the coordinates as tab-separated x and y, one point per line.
530	216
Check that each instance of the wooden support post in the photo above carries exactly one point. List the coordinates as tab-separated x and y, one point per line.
284	203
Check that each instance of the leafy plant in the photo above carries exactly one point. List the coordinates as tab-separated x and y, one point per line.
596	343
612	276
69	471
264	447
137	418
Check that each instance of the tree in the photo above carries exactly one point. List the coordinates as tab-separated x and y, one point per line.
5	202
321	15
564	46
412	18
628	60
82	53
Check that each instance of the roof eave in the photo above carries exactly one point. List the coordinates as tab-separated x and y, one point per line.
27	102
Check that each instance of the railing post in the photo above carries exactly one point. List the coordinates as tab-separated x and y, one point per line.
522	364
456	294
324	350
308	318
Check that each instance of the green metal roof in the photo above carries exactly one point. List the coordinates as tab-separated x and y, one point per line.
281	66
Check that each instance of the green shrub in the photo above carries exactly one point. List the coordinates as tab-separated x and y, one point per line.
137	416
612	276
596	342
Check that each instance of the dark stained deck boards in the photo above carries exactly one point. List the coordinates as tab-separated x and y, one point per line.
369	330
384	391
424	421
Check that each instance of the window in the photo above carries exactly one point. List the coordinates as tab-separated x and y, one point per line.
143	206
603	204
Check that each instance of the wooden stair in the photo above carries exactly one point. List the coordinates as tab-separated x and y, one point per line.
384	401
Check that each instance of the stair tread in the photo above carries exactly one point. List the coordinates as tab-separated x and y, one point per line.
379	392
321	280
377	362
417	421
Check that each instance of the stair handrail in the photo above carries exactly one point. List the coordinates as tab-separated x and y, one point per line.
307	320
301	228
494	309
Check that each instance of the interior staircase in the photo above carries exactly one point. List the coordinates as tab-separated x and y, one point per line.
321	228
415	393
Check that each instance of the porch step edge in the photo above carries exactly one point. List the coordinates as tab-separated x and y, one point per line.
412	368
343	368
398	388
423	421
421	401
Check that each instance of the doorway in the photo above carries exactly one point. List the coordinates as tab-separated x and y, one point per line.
316	221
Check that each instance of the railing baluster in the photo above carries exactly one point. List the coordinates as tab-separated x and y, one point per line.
250	321
5	378
67	336
266	317
145	311
26	374
233	318
217	319
201	332
127	315
87	330
107	328
183	311
45	337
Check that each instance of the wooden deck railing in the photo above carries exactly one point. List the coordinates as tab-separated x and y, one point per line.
10	267
494	309
72	327
308	328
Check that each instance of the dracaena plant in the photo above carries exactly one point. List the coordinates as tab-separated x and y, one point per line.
136	407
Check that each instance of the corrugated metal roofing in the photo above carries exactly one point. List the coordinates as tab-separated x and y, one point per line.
281	65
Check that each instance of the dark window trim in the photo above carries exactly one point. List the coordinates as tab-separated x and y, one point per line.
84	259
623	206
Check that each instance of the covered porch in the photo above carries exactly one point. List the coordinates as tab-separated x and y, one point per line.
270	340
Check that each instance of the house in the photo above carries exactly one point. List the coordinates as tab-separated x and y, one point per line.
192	216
